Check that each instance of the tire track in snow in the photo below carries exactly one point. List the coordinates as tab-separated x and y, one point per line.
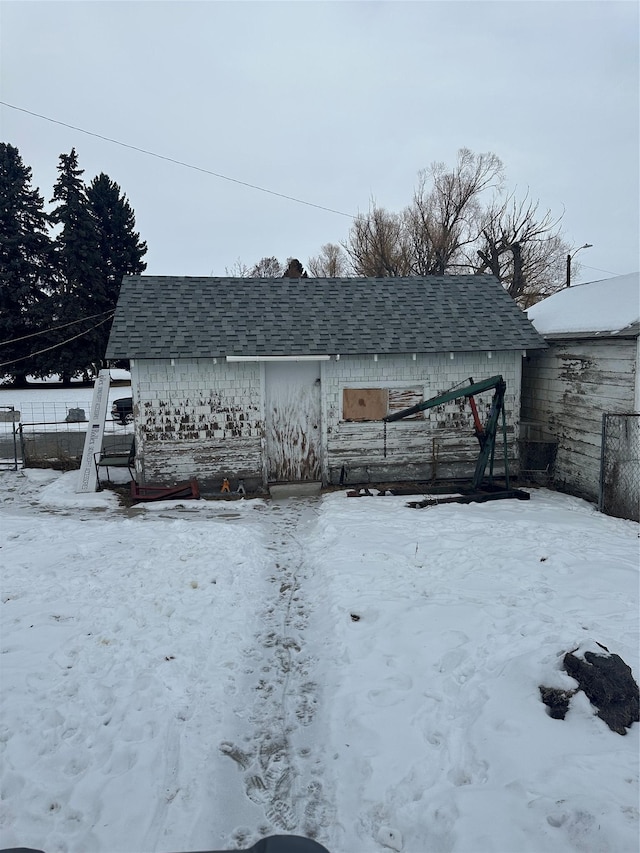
278	754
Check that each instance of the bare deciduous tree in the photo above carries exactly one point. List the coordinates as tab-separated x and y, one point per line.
267	268
330	262
237	270
378	244
460	221
446	212
522	248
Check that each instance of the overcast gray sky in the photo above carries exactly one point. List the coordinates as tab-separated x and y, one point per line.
334	103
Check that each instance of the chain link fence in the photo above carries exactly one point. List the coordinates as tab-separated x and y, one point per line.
52	434
10	455
620	466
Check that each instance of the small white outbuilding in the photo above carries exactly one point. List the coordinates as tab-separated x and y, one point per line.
270	381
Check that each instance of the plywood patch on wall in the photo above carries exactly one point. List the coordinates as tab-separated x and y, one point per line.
364	404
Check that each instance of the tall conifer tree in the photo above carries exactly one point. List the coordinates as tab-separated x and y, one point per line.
121	250
24	261
79	288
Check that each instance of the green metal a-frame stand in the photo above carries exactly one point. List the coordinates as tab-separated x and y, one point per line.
479	490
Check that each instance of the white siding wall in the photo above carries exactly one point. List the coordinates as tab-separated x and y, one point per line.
437	446
566	390
198	418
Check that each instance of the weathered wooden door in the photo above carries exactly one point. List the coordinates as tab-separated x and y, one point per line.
292	415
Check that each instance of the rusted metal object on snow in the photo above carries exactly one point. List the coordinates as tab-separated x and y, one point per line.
188	489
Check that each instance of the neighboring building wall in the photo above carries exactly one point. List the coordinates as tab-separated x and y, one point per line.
197	418
566	390
440	443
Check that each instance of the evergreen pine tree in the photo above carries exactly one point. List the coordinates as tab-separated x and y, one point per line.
24	254
121	250
79	292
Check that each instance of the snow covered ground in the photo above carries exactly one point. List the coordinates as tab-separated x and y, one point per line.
196	675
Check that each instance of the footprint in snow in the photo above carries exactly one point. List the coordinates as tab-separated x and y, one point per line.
281	815
234	752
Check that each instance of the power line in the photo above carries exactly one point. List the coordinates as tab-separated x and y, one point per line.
597	269
55	346
55	328
178	162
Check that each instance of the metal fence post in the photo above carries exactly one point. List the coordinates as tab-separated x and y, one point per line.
603	459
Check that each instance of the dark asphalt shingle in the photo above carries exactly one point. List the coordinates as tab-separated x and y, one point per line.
174	317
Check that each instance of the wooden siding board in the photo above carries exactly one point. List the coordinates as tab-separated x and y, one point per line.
567	388
417	448
210	461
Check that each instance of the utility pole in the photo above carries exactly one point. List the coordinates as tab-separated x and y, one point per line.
570	257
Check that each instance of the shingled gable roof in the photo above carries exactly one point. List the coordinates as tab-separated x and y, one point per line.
166	317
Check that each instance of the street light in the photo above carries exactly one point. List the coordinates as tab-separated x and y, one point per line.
571	257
